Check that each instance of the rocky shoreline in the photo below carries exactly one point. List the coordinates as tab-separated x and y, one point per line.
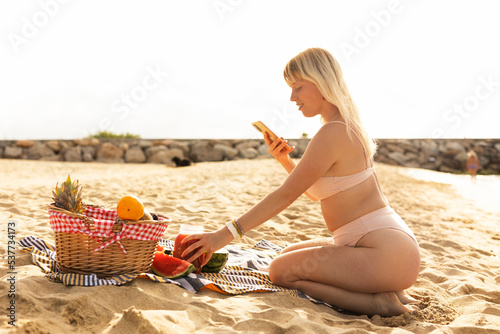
447	155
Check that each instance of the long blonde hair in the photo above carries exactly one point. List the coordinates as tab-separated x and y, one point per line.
321	68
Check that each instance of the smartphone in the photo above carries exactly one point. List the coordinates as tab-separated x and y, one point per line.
262	129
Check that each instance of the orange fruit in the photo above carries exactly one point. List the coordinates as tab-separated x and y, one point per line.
130	207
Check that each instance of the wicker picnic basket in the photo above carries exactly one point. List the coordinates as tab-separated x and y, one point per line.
98	242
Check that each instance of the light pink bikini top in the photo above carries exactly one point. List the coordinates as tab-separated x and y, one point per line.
328	186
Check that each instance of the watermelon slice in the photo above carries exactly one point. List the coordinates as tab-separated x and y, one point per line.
217	262
170	267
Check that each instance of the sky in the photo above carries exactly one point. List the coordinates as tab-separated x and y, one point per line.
209	68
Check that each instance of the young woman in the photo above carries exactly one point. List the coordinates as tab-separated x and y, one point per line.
472	164
373	255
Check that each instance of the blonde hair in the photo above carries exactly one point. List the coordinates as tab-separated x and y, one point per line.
471	153
321	68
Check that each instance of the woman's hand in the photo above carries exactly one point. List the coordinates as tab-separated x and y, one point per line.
278	148
207	243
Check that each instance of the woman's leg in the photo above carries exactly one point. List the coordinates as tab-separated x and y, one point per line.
308	243
358	279
401	295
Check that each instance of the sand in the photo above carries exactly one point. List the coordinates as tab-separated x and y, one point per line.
458	288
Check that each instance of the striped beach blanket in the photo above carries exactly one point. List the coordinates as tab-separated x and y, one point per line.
246	270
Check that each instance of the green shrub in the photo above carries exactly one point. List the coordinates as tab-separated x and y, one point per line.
108	134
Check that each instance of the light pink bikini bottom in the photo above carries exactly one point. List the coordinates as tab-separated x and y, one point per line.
386	217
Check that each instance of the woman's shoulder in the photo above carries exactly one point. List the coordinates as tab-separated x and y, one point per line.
332	131
331	138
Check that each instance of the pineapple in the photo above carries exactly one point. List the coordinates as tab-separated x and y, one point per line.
147	216
68	196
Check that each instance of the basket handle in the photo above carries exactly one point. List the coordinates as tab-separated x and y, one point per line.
87	220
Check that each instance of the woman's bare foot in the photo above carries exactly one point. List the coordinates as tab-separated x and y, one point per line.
387	304
404	298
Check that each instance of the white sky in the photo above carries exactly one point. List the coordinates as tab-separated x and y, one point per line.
416	69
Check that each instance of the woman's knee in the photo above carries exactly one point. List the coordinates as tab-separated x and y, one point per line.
280	273
275	272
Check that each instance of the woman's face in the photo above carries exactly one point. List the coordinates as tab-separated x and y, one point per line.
307	97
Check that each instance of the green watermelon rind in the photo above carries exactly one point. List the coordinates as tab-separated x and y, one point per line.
217	262
186	272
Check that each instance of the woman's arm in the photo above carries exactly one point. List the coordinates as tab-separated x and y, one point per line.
280	150
318	158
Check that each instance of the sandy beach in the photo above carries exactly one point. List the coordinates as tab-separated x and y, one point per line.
458	288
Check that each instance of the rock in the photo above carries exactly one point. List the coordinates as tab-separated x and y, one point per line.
409	146
411	159
167	156
87	157
462	156
228	152
203	151
395	147
264	150
108	152
497	147
452	148
430	147
87	142
82	142
13	152
40	151
300	147
54	145
451	165
446	169
25	143
483	161
494	167
150	151
249	153
181	145
145	143
63	145
436	154
164	142
73	154
247	144
135	155
88	153
123	146
398	157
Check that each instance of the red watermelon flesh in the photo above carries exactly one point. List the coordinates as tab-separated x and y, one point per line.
170	267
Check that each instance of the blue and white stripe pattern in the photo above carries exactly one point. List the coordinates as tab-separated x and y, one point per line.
246	270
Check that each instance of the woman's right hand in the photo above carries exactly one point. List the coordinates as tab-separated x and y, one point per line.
278	148
206	243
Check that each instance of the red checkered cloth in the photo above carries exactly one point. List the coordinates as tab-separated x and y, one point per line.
103	221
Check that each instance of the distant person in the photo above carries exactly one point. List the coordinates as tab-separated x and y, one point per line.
373	255
472	164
